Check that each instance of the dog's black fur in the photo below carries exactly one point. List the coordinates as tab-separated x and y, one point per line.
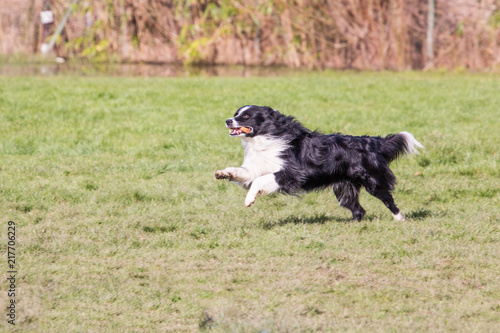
313	161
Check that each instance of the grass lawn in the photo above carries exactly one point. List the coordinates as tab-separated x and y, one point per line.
121	225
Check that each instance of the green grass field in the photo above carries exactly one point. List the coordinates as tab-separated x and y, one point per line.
121	225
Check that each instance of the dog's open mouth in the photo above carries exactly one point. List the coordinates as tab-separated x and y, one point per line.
235	131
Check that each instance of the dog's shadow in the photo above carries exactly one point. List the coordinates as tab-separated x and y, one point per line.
317	219
313	219
418	214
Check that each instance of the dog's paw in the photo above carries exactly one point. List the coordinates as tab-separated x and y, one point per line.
250	199
223	174
399	216
248	202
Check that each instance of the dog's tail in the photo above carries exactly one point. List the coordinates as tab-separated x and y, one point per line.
396	145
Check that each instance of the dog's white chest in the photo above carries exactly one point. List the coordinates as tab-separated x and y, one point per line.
263	155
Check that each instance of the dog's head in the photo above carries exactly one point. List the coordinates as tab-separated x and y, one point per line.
252	120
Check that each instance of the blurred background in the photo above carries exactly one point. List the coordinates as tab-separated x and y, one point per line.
340	34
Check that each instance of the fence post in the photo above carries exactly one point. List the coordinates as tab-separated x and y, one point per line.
430	35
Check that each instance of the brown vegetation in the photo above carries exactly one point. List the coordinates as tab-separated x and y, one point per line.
361	34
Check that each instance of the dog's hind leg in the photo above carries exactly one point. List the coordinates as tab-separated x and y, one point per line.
380	185
261	185
348	196
385	196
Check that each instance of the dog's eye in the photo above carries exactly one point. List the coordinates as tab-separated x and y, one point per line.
245	116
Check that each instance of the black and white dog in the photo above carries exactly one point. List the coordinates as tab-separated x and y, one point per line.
281	155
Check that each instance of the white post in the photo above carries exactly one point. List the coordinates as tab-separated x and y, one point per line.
47	47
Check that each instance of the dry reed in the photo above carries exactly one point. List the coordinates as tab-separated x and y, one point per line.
360	34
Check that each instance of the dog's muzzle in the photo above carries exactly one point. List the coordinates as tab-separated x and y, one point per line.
236	130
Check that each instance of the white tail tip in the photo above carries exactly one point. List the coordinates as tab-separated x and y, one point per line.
411	143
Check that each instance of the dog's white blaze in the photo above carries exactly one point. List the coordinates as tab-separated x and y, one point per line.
262	155
242	110
411	143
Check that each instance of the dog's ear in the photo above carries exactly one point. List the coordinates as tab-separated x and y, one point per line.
274	113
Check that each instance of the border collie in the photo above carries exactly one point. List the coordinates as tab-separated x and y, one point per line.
283	156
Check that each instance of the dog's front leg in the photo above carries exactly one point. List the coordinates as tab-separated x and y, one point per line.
261	185
239	175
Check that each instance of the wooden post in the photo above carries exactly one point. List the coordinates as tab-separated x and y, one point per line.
430	35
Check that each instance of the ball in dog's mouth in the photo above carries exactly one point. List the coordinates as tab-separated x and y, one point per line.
239	130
